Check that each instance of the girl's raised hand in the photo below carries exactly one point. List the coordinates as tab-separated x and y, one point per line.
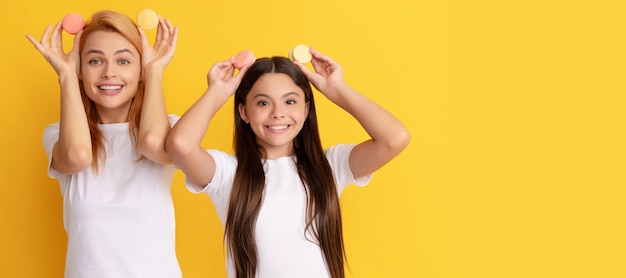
51	47
328	75
222	76
158	56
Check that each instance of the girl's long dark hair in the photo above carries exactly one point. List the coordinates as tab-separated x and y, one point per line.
323	216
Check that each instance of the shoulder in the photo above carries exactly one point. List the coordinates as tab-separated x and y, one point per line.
222	157
339	151
339	159
51	131
338	156
52	126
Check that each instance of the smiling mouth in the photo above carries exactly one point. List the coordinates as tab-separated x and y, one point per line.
277	127
110	89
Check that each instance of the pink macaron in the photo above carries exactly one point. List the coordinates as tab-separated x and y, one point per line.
73	23
243	58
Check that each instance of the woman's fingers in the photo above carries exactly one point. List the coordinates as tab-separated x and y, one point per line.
55	40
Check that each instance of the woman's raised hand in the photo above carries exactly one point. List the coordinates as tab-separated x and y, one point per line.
158	56
51	47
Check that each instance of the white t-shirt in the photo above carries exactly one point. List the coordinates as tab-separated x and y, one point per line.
119	222
283	249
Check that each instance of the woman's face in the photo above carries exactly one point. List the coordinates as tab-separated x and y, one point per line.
276	109
110	71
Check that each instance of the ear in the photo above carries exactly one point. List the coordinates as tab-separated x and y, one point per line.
306	109
243	113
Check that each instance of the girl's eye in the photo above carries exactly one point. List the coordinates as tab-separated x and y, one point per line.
291	101
262	103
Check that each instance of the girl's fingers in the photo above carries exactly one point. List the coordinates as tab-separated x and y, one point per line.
321	56
242	72
321	59
227	70
222	71
317	60
317	65
304	70
230	71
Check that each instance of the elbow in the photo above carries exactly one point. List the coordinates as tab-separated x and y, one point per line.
152	144
78	159
400	141
177	146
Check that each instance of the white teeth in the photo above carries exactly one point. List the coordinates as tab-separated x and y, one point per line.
110	87
277	127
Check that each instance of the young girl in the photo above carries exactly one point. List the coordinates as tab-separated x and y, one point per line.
107	150
279	194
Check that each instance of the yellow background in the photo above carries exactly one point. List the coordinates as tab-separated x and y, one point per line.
517	162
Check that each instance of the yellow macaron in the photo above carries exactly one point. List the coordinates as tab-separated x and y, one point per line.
147	19
300	53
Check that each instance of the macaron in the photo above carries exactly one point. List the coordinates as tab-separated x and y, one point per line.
300	53
243	58
73	23
147	19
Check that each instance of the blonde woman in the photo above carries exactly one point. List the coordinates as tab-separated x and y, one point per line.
107	150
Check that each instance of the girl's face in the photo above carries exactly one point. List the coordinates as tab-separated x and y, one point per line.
110	71
276	109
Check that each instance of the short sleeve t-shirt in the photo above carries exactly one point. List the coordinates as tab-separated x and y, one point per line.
283	247
119	222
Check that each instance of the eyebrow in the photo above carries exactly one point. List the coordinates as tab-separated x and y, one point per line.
284	95
124	50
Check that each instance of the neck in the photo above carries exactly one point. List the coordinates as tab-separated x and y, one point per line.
112	116
272	153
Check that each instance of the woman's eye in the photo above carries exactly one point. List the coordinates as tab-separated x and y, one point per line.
124	62
95	62
291	101
262	103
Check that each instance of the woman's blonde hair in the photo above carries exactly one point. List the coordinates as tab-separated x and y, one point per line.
110	21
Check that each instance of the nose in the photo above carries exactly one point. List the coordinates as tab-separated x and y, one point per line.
109	71
278	112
